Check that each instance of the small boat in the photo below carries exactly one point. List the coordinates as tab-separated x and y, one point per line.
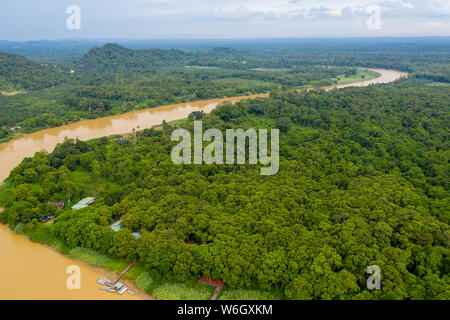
101	281
107	280
122	291
131	292
118	285
104	288
111	290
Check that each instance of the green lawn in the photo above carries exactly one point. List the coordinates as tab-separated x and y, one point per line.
361	74
231	294
200	67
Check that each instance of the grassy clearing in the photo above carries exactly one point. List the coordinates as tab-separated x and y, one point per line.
99	260
90	256
248	295
83	178
79	177
361	75
201	67
178	291
271	69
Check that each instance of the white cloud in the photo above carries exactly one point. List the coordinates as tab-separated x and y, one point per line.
223	18
285	9
435	24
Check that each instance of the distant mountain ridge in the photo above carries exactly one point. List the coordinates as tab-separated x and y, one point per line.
116	58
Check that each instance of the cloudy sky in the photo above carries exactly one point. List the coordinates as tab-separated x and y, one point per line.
150	19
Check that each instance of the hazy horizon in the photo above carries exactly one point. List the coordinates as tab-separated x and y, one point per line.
27	20
226	39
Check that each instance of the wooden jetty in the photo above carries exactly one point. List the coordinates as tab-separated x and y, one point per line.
123	272
217	284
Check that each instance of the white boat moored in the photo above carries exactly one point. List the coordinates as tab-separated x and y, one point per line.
118	285
122	291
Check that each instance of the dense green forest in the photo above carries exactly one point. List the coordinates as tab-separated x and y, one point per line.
363	180
363	177
113	79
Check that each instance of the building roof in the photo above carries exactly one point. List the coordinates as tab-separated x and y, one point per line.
137	235
60	205
84	203
116	226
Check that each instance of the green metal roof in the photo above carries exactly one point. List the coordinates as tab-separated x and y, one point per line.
137	235
116	226
83	203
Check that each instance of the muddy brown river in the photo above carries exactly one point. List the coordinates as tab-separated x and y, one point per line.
35	271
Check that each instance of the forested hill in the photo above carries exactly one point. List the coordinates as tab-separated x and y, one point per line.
115	58
112	79
363	180
118	59
19	73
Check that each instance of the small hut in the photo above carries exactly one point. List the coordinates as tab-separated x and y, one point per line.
60	205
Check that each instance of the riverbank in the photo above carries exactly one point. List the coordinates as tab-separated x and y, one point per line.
13	152
363	74
33	271
89	270
15	135
144	285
